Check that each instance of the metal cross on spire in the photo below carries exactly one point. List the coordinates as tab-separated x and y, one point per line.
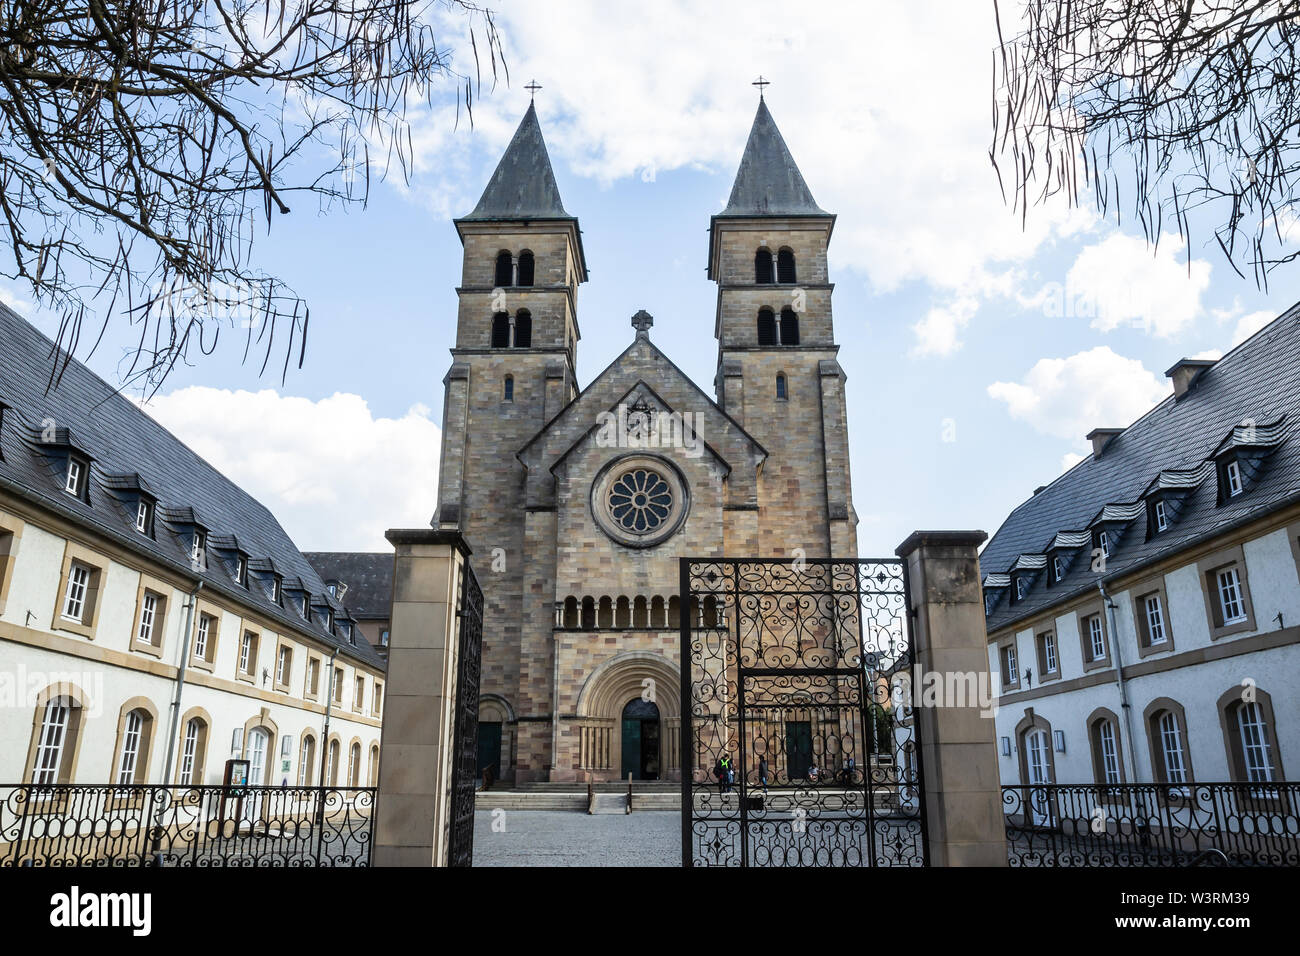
760	83
532	87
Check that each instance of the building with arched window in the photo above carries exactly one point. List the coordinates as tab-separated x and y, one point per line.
1161	572
123	556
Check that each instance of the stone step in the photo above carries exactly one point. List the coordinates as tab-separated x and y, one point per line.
609	803
522	800
613	786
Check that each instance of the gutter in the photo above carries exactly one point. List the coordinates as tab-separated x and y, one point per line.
1125	707
175	715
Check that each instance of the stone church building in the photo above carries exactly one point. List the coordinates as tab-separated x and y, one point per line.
579	501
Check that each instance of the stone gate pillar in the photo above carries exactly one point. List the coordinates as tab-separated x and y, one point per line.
957	737
413	808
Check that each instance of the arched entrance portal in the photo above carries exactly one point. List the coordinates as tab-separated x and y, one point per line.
640	740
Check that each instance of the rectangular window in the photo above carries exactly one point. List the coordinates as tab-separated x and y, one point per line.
130	748
72	483
1096	638
248	654
1021	587
1233	473
142	517
378	703
1232	609
202	637
74	599
148	616
197	558
1058	568
359	693
1162	517
241	571
313	677
1155	617
1047	644
338	685
188	752
1103	542
282	666
1010	672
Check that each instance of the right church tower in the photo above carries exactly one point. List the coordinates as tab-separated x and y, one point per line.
778	373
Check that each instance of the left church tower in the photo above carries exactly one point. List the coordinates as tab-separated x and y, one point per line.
512	371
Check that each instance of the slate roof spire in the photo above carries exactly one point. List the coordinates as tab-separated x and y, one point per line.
768	182
523	186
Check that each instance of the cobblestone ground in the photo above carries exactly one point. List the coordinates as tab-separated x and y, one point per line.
569	838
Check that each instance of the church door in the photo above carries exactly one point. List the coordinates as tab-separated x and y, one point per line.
489	748
641	740
798	748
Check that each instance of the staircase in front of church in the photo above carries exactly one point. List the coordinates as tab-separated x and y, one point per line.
610	797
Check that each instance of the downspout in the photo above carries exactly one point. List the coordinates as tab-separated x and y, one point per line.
175	716
1119	679
325	734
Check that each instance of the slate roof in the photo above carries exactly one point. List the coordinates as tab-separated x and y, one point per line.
368	576
523	186
768	182
130	451
1259	381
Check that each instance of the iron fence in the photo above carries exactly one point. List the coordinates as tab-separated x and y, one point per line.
1226	824
142	825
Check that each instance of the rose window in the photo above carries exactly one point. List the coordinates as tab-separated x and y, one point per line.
640	501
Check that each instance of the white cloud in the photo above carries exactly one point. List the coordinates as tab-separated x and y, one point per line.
1069	397
333	475
1248	325
896	147
1070	459
937	333
12	299
1122	281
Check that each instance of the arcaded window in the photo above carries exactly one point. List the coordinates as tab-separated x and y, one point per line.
785	267
766	327
789	327
523	329
525	268
763	273
505	269
501	331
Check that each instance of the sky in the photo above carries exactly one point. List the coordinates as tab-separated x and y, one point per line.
979	350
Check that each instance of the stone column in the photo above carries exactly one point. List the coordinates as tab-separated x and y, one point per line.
413	808
957	738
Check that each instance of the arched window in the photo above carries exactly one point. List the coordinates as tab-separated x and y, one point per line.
606	616
674	610
640	612
763	267
354	764
1249	735
373	775
133	746
332	765
505	269
785	267
1107	750
588	613
525	268
508	389
789	327
307	760
623	612
56	737
1167	730
523	329
660	616
571	612
500	331
781	391
766	327
193	745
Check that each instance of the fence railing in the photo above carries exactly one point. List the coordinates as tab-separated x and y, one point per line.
141	825
1230	824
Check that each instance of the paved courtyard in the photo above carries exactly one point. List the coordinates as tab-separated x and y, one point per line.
569	838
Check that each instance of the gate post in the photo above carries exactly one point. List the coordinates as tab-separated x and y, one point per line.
957	737
416	747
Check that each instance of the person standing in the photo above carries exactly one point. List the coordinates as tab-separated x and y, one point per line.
762	773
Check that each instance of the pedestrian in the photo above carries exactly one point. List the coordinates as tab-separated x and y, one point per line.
762	773
718	773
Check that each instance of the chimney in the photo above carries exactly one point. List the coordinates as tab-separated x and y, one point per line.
1185	372
1100	438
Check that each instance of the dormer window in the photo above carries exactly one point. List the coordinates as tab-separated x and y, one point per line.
275	590
74	481
1058	568
197	545
241	570
143	516
306	605
1103	542
1232	478
1160	516
1022	586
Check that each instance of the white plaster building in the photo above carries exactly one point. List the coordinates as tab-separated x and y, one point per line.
1190	521
128	563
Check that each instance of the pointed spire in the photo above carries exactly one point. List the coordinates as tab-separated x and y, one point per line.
768	182
523	186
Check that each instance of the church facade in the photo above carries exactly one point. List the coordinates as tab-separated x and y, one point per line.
579	501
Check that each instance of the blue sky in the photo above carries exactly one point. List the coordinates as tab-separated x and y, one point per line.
978	354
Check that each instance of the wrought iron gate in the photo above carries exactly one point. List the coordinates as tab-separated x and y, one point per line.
460	847
792	672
